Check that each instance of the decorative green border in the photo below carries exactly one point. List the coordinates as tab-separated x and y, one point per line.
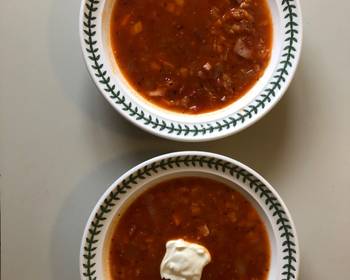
285	229
175	128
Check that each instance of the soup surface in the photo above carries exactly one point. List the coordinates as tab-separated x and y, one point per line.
191	56
198	210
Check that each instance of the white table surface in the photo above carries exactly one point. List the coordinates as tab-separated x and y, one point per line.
62	144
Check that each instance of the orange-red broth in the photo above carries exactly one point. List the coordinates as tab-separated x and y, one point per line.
198	210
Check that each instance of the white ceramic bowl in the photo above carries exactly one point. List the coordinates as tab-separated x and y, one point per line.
95	41
278	222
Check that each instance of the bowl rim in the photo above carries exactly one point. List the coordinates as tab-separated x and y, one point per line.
189	131
287	240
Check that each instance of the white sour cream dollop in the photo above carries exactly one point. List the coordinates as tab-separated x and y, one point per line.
184	260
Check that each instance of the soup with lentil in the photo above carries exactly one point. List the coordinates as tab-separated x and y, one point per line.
194	209
191	56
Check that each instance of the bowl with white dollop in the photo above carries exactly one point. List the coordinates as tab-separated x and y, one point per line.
284	249
95	18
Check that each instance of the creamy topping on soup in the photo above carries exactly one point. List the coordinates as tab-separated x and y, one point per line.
184	260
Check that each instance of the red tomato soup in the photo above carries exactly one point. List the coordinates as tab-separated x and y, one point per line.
198	210
191	56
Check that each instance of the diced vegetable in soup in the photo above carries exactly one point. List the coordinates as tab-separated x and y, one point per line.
191	56
197	210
